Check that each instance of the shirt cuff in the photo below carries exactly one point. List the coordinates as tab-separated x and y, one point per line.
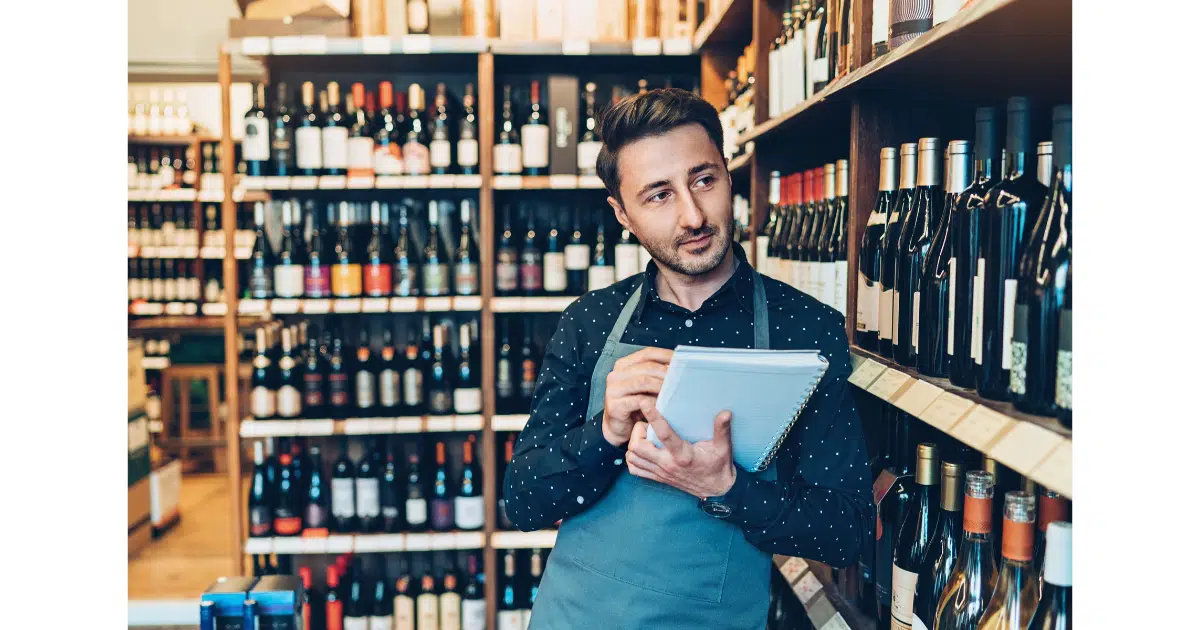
751	500
595	452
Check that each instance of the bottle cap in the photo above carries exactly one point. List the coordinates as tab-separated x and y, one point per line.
1058	554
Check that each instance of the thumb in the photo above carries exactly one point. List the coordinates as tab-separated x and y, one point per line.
723	429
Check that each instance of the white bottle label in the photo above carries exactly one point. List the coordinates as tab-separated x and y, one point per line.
916	316
360	154
418	17
288	402
554	274
366	494
535	146
262	402
508	620
404	613
169	293
427	612
841	272
600	277
868	305
950	315
256	143
135	289
387	162
467	400
415	511
333	146
977	315
158	290
827	282
181	289
341	501
451	611
526	615
468	512
896	316
308	147
289	281
816	289
474	614
774	74
354	623
577	257
379	623
586	153
626	260
904	591
1010	303
507	158
439	153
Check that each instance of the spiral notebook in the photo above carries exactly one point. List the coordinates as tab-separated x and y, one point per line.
765	389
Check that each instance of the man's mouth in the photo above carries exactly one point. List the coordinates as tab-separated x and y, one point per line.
700	240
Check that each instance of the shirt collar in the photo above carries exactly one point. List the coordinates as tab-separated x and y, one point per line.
740	283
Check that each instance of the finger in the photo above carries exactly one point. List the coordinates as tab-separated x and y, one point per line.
641	463
639	432
723	430
647	451
658	355
641	472
628	406
628	386
670	441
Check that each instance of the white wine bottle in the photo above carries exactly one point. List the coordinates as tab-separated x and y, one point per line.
1013	604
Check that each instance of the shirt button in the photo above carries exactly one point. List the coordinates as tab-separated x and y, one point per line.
688	323
617	461
579	500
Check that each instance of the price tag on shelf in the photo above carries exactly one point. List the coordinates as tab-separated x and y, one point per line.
388	181
439	424
403	305
1055	471
375	305
151	251
438	304
252	307
360	183
303	183
285	45
1025	447
314	544
561	182
468	303
441	181
590	182
256	546
918	397
509	423
376	45
321	426
576	47
980	428
314	44
339	544
415	182
888	383
190	251
174	308
677	46
256	46
416	44
506	305
331	182
252	183
472	540
945	411
357	426
213	309
285	306
468	423
807	587
866	373
379	543
293	544
417	542
347	305
646	46
316	307
793	568
277	183
190	308
408	424
507	182
468	181
441	541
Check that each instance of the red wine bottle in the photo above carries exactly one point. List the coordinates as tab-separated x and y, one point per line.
890	253
893	504
261	497
939	277
916	233
866	324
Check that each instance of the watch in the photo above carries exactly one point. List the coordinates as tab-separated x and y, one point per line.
716	507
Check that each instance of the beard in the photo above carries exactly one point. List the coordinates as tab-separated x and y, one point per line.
668	252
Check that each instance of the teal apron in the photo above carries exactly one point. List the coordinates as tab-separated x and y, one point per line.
645	555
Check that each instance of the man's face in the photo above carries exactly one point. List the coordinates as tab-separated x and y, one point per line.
677	199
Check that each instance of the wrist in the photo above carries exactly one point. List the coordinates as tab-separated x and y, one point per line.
610	436
725	481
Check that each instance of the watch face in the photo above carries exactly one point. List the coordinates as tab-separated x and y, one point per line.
718	510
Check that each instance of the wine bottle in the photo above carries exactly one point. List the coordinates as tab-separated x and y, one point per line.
261	497
806	273
439	391
506	373
893	506
916	533
535	136
360	145
288	273
529	366
890	253
416	508
507	259
777	262
915	235
625	256
338	382
554	262
938	278
389	157
335	133
256	140
318	281
1015	598
507	153
508	615
531	259
288	500
407	274
287	398
366	492
468	505
817	61
577	260
942	552
316	496
439	134
262	379
501	514
866	330
366	375
449	603
1004	230
341	492
413	377
601	273
436	266
427	603
1054	608
442	501
357	600
282	135
837	244
474	604
1062	376
377	270
390	496
468	141
1041	286
1052	507
313	379
261	257
404	605
971	584
466	259
346	270
468	394
536	562
763	238
307	134
416	135
380	602
588	148
820	249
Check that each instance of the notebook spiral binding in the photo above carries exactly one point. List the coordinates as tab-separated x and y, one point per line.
768	456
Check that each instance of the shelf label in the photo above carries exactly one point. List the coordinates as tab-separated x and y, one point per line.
339	544
506	305
347	305
277	183
388	181
376	45
290	544
560	182
644	46
408	424
945	411
887	383
468	423
507	182
1055	472
332	182
323	426
468	181
255	183
1025	447
866	373
439	424
360	183
793	568
256	546
252	307
576	47
375	305
441	541
468	303
303	182
474	540
285	45
314	544
509	423
212	196
590	182
414	181
981	427
416	44
285	306
379	543
441	181
677	46
189	252
403	305
417	542
213	309
189	308
316	307
918	397
255	46
174	308
438	304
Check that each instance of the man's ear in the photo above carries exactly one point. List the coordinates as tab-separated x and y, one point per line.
619	211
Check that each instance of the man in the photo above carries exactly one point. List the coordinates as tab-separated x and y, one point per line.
678	537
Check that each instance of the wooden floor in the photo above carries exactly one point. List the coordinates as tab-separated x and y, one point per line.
190	556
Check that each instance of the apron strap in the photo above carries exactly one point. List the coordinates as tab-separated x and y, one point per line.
618	329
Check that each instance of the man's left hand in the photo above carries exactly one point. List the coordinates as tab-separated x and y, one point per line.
704	469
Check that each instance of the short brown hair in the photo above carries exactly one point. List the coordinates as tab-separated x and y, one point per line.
650	114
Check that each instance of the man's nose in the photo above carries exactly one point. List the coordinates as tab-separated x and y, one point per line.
690	215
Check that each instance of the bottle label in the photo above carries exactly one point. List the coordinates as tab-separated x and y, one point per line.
308	147
1016	542
474	614
977	515
338	394
366	497
977	313
443	514
314	516
504	379
427	609
841	272
333	146
415	511
437	279
827	282
379	623
389	388
531	273
281	146
507	158
440	402
600	277
260	520
439	154
413	381
364	389
287	525
507	273
867	316
354	623
528	377
586	153
317	281
577	257
288	402
1010	303
416	158
377	280
626	259
169	290
896	316
916	319
1019	349
468	512
468	400
535	146
885	314
554	275
1062	380
405	280
158	290
388	159
451	611
260	283
509	620
360	156
953	269
418	17
289	281
256	143
341	502
468	153
904	590
333	616
262	402
404	615
314	395
346	280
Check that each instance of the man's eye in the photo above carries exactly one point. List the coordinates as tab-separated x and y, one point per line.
705	181
659	196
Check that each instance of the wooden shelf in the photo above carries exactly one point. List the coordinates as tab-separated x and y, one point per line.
182	140
547	182
350	306
251	428
163	194
365	543
740	165
426	45
195	323
156	363
514	422
547	304
341	182
730	24
812	583
646	47
1037	447
1032	37
543	539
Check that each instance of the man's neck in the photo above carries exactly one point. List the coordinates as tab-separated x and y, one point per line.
690	292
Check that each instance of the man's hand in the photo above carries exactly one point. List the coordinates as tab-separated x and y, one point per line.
633	383
703	469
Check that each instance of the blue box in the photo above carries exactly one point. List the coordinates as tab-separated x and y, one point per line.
280	602
228	595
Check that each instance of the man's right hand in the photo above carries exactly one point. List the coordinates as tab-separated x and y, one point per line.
635	379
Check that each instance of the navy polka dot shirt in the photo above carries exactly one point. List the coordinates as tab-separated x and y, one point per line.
820	507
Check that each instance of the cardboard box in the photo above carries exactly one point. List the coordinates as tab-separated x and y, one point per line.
582	20
518	20
279	9
564	124
137	376
239	27
551	16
